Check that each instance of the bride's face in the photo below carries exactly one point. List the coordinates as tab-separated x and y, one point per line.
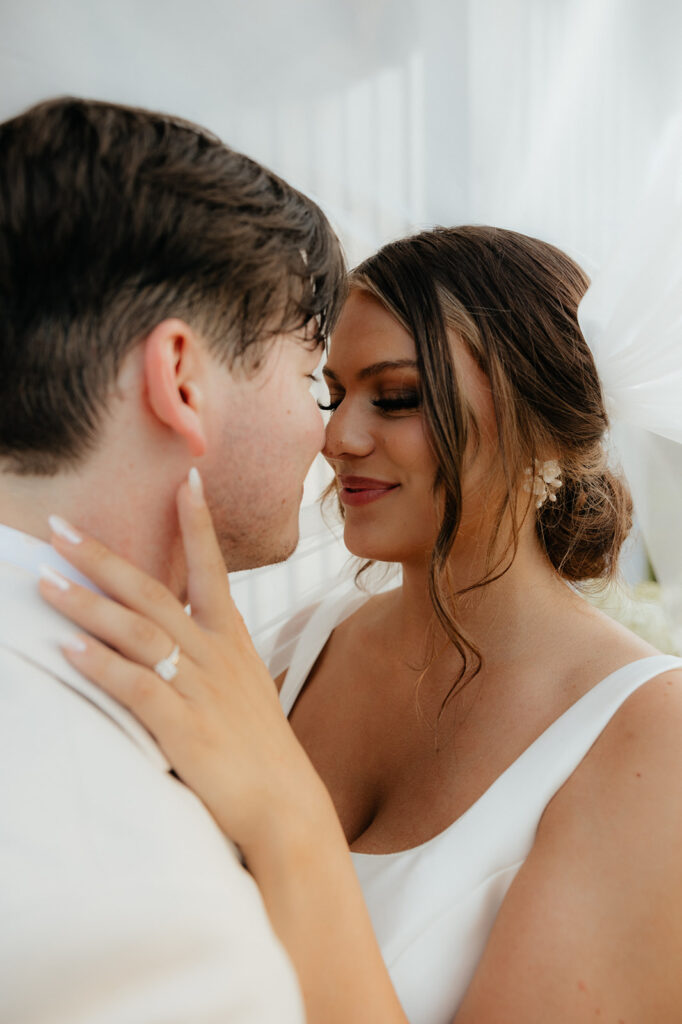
377	440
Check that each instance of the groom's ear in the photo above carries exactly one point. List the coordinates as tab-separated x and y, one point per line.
173	365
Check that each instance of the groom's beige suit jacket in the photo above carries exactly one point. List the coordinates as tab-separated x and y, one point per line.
120	900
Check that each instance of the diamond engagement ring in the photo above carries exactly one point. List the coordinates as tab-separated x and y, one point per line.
167	668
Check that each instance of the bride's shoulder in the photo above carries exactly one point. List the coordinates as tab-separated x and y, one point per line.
645	734
630	782
342	611
634	766
278	652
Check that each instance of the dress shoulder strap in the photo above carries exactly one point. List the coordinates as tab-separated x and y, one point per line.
306	649
541	770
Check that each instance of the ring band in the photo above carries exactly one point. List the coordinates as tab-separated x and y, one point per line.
167	668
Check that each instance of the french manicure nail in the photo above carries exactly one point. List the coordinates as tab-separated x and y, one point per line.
64	529
195	484
74	643
54	577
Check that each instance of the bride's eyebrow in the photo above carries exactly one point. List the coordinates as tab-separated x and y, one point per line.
375	368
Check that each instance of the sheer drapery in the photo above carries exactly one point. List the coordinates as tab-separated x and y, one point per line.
535	115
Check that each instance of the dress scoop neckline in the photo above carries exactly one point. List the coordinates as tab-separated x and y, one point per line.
574	710
540	741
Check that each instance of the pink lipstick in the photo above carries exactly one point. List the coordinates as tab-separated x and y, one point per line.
361	490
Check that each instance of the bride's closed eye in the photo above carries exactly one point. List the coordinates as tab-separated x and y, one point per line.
399	401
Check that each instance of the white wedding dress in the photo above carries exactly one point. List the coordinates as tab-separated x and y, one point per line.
433	906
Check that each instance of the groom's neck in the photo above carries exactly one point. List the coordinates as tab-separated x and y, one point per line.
135	518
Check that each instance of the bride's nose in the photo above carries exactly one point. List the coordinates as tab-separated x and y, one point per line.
347	434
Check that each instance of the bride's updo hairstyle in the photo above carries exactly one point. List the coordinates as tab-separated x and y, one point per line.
513	300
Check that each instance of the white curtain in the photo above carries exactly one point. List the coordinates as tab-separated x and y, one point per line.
539	115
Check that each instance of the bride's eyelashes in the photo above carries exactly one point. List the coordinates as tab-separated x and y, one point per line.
402	401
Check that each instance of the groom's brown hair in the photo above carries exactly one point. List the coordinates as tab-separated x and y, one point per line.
111	220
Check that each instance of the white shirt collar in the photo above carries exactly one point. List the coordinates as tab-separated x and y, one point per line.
34	630
27	552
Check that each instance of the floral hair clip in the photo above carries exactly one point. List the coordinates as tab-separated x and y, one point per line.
544	482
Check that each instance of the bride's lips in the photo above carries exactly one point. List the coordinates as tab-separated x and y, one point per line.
361	490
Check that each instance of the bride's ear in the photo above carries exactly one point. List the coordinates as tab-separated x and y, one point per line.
172	367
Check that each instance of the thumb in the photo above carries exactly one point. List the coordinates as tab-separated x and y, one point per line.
208	588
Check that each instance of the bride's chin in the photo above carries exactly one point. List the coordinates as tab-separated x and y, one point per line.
376	552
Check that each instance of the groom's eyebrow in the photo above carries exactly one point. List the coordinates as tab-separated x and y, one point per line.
375	368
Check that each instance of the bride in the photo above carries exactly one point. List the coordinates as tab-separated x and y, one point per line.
472	813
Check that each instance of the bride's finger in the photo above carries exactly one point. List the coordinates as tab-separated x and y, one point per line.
123	581
133	635
208	589
153	702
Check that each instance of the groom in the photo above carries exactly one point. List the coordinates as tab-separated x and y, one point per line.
163	301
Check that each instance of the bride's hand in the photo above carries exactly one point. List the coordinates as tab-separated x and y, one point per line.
218	720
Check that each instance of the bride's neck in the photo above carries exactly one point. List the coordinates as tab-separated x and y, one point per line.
502	617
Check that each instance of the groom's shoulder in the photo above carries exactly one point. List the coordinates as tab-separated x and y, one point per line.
59	748
65	755
112	868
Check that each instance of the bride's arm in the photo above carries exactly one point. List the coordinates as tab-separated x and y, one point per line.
220	724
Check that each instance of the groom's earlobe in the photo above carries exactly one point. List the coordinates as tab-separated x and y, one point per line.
171	367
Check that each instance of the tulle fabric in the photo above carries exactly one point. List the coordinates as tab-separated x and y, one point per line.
631	316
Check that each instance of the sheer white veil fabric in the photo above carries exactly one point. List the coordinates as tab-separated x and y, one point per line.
631	317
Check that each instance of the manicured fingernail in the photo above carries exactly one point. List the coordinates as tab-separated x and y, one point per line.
75	644
195	484
54	577
64	529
